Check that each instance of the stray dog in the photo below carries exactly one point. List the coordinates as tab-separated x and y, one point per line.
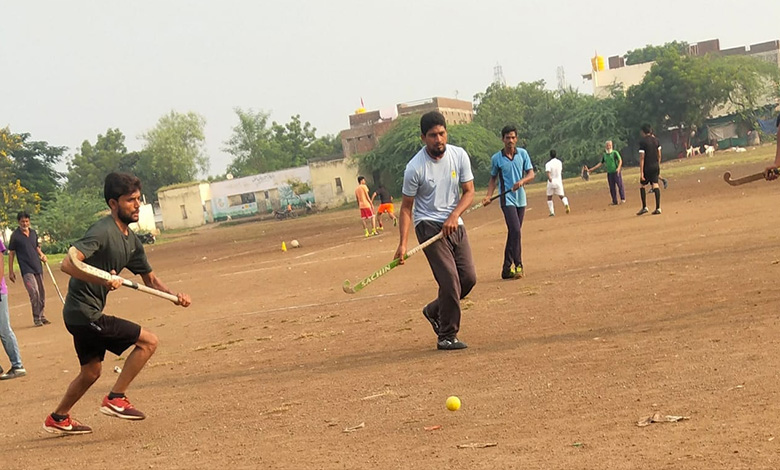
709	150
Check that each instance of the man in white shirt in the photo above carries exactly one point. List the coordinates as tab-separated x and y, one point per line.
554	168
433	181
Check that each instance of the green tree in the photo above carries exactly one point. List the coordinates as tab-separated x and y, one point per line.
89	167
500	105
34	163
479	143
260	148
14	196
68	217
174	152
684	91
650	53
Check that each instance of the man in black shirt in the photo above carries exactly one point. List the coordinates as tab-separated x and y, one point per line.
649	168
25	248
771	171
111	246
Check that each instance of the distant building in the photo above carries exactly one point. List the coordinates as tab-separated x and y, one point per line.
626	76
258	193
194	204
334	180
366	127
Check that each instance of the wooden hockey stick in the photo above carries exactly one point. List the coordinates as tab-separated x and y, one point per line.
745	179
350	289
59	292
99	273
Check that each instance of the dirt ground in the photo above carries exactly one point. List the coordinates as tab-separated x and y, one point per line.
619	317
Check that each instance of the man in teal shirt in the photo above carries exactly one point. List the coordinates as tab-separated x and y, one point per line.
613	163
512	168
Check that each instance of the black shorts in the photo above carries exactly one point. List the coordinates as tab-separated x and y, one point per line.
650	175
107	333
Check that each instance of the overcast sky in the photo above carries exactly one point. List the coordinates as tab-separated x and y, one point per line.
71	69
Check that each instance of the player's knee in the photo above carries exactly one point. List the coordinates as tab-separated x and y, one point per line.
91	372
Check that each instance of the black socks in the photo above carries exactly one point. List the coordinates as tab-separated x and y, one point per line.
643	194
113	395
657	192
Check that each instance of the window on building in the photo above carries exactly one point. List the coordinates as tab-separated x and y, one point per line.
267	195
241	199
339	187
183	211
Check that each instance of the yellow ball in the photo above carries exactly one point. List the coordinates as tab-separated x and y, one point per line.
453	403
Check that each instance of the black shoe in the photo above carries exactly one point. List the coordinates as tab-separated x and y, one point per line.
46	322
657	211
434	322
38	323
13	373
450	344
665	182
508	274
643	211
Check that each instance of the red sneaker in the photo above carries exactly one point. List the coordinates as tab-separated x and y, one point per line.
121	408
66	426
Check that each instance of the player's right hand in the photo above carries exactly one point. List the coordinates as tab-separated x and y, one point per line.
115	282
12	276
771	173
184	299
486	201
399	254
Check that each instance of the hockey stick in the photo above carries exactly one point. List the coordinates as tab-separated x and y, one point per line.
55	283
99	273
350	289
745	179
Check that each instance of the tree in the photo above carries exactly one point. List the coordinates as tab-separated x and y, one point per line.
479	143
650	53
68	217
258	148
14	197
299	187
684	91
174	152
34	163
89	167
500	105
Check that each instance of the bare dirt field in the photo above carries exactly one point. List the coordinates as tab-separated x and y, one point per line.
619	317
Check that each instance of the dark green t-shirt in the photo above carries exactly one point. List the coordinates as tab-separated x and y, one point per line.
611	161
105	247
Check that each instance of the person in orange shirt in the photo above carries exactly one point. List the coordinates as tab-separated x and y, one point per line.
366	208
385	205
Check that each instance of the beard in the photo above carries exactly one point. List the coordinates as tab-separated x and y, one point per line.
127	218
437	152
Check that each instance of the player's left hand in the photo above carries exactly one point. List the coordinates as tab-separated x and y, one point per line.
184	300
450	225
44	259
517	185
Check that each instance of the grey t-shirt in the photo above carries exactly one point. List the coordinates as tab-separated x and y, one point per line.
435	184
105	247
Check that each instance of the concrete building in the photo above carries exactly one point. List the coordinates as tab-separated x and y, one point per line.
366	127
182	205
626	76
255	194
334	180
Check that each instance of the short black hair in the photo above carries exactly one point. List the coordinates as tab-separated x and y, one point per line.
647	128
22	215
119	184
507	129
553	154
431	120
361	178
